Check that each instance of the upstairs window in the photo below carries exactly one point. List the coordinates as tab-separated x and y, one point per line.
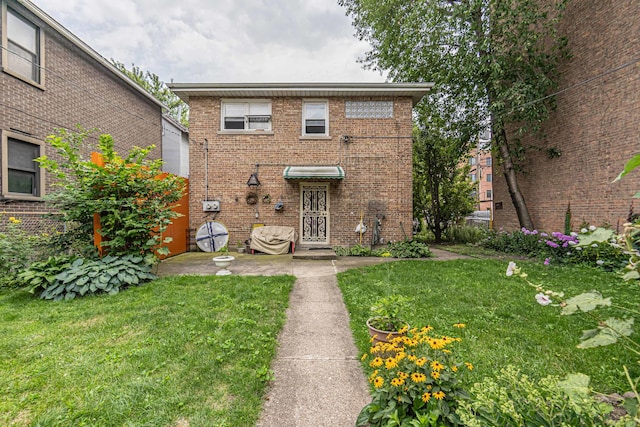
315	118
489	178
24	47
246	116
24	178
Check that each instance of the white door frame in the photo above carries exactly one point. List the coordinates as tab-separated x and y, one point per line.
327	221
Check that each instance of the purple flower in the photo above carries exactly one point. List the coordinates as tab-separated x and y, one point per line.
552	244
547	261
534	232
565	244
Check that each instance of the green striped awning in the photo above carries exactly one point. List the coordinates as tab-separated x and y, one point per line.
314	172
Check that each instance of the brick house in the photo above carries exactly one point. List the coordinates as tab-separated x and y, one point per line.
594	130
325	155
51	79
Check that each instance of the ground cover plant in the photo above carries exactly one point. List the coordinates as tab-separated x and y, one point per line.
504	323
189	350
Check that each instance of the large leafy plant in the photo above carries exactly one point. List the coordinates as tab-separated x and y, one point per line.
131	197
86	276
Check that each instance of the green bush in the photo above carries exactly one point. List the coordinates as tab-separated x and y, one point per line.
408	249
94	276
521	242
466	234
16	249
42	274
513	399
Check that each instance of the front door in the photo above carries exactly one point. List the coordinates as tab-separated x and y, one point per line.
314	213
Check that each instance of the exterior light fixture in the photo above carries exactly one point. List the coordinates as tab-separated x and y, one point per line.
253	180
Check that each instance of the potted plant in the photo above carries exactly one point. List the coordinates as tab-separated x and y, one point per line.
240	247
386	321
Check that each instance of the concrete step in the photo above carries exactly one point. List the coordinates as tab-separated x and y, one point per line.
315	253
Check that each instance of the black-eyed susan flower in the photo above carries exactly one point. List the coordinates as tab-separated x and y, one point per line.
418	377
376	362
397	382
391	363
436	366
426	397
469	366
378	382
459	325
439	395
420	362
435	374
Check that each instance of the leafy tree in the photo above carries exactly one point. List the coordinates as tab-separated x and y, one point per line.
490	59
152	84
442	191
134	204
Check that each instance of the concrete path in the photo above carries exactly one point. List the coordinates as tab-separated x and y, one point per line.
318	378
319	381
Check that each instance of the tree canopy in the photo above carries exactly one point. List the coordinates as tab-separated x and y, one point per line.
156	87
492	62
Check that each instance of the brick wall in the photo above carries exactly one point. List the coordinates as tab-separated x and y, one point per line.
77	90
595	126
377	166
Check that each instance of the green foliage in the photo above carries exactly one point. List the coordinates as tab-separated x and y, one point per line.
567	220
152	84
513	399
517	243
387	313
442	190
408	249
466	234
42	274
493	61
134	206
105	275
16	247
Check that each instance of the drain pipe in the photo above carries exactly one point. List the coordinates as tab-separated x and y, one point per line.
206	169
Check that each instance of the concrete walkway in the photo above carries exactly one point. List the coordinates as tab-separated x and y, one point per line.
318	378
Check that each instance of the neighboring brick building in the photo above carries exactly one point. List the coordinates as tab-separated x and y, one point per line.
595	128
51	79
481	173
329	154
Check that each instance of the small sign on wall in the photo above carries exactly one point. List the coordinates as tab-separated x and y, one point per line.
497	205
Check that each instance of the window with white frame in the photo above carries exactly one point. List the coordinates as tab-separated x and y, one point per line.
24	47
22	176
489	194
315	118
489	178
473	177
246	115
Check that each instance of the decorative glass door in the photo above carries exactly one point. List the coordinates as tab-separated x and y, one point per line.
314	213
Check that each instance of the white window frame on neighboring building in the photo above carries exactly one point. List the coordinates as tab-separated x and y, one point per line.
24	42
312	116
252	115
473	177
38	181
489	177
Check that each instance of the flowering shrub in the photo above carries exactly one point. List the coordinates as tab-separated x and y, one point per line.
414	377
15	250
521	242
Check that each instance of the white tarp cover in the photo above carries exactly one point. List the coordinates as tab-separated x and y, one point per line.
273	239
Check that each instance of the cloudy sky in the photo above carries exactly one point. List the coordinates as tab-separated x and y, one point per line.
221	40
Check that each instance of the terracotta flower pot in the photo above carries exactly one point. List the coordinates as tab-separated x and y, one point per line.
380	335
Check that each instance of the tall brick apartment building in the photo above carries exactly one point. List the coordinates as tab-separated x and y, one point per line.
325	155
51	79
595	129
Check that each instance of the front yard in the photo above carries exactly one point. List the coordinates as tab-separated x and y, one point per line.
178	351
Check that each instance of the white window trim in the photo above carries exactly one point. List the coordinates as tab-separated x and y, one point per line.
5	166
246	101
306	135
5	54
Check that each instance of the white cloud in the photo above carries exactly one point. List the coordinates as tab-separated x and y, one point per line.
220	40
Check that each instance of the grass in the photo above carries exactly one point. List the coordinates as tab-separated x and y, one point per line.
505	325
180	351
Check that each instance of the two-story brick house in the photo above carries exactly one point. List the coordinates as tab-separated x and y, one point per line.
51	79
327	156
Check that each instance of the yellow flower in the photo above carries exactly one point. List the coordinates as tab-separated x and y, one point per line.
404	329
469	366
436	366
420	362
390	363
364	357
397	382
403	375
439	395
378	382
426	329
373	376
426	397
435	375
377	362
454	368
459	325
417	377
412	357
14	220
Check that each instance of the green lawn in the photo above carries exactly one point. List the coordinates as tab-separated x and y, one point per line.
179	351
505	324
